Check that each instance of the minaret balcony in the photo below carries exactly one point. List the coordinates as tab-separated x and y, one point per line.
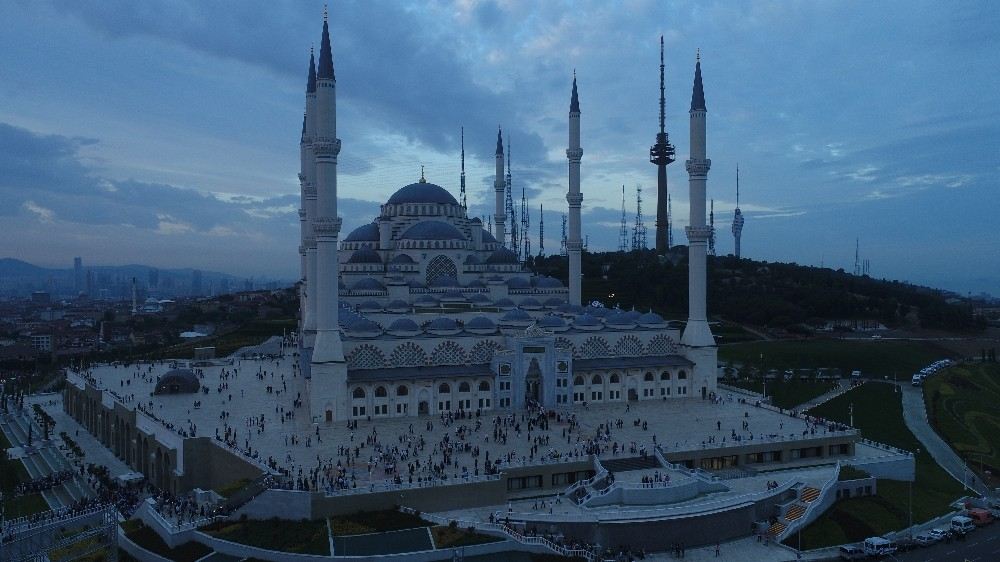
697	167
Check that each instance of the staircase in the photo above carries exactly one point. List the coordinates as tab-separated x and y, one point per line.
808	494
794	512
775	529
634	463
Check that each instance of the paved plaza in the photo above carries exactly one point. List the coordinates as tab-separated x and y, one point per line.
255	405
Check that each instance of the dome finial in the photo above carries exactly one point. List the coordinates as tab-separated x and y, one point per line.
422	179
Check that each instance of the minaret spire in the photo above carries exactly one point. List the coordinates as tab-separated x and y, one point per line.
462	179
311	81
574	100
325	70
574	199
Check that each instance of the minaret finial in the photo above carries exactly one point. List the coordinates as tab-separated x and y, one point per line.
698	92
325	70
326	14
574	101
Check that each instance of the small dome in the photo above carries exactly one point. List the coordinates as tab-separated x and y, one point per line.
402	259
586	321
504	303
650	319
619	320
476	220
502	256
442	324
364	255
531	303
554	302
425	300
364	233
368	284
551	322
632	315
452	296
432	230
397	306
516	315
178	381
364	326
479	298
445	281
545	282
369	306
404	325
488	237
480	323
422	192
597	311
518	283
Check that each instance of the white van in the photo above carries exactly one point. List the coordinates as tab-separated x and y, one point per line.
917	380
878	546
962	524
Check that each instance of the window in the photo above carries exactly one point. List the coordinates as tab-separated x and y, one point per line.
484	386
380	392
359	392
597	380
464	387
664	376
615	379
681	375
402	391
444	388
648	377
578	381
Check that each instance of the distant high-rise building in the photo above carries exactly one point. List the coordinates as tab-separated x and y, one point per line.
223	286
196	288
153	278
89	284
77	275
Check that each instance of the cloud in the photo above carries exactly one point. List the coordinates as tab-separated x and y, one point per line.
43	214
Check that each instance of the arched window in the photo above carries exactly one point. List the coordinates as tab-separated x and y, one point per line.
596	380
615	379
484	386
440	267
664	376
380	392
359	392
464	387
444	388
578	381
648	377
402	390
681	375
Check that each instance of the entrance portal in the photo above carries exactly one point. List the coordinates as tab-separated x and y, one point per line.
633	394
423	408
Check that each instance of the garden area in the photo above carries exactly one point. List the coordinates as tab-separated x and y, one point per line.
786	394
963	406
146	538
12	473
878	413
874	358
303	537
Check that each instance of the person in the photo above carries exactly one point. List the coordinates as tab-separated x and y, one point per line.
716	550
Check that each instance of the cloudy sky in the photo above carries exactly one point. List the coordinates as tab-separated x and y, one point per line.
166	133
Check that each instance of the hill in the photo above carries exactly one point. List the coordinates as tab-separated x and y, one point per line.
776	295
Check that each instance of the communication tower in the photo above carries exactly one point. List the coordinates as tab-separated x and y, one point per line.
562	242
541	230
525	224
623	243
639	230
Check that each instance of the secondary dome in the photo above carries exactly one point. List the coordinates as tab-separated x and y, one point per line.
422	192
368	284
480	324
432	230
364	233
502	256
178	381
404	326
365	255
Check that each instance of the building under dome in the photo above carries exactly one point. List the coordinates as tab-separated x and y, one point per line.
178	381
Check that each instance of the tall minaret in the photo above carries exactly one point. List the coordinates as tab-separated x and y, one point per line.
465	204
697	332
541	230
499	187
308	178
661	154
737	215
328	388
574	243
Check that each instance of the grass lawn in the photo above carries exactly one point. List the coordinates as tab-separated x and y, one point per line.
874	358
452	537
962	404
878	413
786	394
148	539
22	506
303	537
363	522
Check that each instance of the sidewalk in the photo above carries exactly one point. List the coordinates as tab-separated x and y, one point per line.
746	550
830	395
915	415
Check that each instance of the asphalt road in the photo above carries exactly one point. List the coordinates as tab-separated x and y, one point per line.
981	545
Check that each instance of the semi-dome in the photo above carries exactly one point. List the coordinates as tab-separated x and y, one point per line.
432	230
368	284
480	323
502	256
471	260
369	306
504	303
516	315
650	319
178	381
545	282
402	259
422	192
364	233
404	326
551	322
364	255
364	326
397	306
488	237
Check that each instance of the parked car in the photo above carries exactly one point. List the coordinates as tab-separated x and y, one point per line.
878	546
980	517
904	544
917	380
926	538
852	552
962	524
940	534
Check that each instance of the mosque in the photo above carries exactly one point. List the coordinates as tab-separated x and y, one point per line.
425	311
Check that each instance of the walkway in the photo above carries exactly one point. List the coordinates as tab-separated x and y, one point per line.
845	385
915	414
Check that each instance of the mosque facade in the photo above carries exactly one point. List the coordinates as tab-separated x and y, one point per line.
424	311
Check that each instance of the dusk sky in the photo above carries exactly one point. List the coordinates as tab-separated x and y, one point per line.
167	133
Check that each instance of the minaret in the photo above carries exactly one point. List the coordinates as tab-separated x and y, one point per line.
465	204
574	243
697	332
661	154
541	230
308	178
499	186
525	225
737	215
328	389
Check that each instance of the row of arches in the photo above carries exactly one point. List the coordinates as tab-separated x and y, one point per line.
605	387
403	399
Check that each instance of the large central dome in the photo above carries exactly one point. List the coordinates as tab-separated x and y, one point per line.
422	192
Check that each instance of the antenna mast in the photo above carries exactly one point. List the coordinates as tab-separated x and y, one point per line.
711	226
623	244
639	230
670	228
562	243
462	180
525	224
541	230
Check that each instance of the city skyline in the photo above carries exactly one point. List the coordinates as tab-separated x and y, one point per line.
171	148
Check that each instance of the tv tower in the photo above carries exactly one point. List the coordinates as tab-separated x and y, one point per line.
462	180
509	204
857	250
562	243
639	230
670	230
623	244
711	226
541	230
737	215
661	154
525	224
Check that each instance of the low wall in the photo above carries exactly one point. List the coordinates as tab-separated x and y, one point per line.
137	551
890	467
429	498
286	504
631	494
216	467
